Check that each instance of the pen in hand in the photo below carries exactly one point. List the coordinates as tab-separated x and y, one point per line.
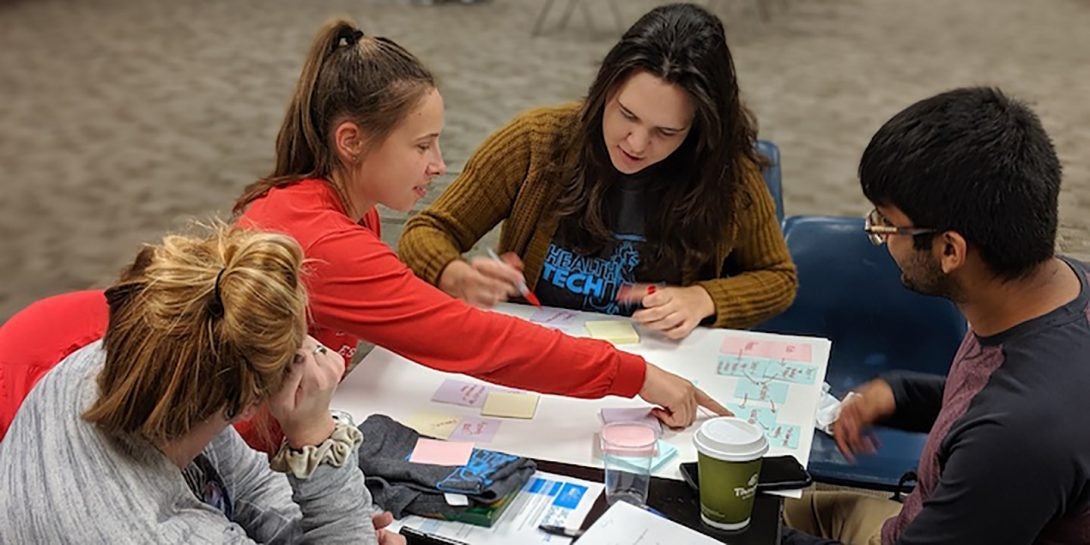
560	530
524	291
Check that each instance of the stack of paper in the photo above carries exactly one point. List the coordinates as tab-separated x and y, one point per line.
626	524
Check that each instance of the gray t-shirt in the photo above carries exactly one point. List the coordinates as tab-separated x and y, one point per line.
65	481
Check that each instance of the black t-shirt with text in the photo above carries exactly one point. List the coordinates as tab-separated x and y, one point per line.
570	279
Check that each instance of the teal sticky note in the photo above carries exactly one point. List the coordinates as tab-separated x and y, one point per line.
664	451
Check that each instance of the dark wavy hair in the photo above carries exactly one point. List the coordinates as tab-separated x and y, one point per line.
693	193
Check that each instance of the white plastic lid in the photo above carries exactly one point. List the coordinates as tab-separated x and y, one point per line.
730	439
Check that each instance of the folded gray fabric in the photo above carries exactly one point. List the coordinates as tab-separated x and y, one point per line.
403	487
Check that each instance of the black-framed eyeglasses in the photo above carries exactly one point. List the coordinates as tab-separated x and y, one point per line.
878	228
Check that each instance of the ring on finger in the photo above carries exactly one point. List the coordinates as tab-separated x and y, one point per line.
320	349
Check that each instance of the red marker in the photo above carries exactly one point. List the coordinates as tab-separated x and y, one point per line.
651	289
529	295
524	290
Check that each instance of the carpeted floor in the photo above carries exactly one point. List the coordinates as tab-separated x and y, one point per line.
121	119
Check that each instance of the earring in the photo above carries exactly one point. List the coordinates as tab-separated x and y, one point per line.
228	414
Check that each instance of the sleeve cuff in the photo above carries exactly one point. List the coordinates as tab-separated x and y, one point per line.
436	264
334	451
719	296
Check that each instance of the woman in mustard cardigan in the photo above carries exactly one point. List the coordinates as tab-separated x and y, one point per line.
646	199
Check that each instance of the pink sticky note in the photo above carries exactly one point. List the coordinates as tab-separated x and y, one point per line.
738	346
631	414
791	352
480	430
462	393
777	350
442	453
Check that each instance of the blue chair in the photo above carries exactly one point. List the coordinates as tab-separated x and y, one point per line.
850	292
772	175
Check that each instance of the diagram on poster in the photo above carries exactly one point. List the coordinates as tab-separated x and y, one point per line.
762	370
766	372
779	434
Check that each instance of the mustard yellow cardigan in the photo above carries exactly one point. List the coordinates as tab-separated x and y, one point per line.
508	179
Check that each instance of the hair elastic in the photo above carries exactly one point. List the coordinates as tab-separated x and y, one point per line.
217	297
349	37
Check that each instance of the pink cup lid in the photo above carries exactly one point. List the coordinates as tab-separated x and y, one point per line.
628	439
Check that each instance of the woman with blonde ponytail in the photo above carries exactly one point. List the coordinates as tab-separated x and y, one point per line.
363	129
130	439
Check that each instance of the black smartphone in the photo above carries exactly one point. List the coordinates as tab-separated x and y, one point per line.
777	473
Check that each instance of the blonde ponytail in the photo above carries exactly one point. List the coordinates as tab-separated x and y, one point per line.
199	324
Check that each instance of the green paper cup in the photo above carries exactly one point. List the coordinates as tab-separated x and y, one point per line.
729	454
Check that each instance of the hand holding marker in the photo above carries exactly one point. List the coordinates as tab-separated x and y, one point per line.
634	293
524	291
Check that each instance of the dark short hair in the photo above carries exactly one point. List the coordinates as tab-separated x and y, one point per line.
974	161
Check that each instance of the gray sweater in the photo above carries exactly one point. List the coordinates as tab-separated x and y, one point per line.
62	480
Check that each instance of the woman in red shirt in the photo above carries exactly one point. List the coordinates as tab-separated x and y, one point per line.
363	129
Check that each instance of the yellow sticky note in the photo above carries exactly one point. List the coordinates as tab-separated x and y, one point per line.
510	405
433	424
614	331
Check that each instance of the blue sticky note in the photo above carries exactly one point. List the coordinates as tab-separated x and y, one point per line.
665	451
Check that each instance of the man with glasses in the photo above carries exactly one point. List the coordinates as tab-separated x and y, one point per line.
965	187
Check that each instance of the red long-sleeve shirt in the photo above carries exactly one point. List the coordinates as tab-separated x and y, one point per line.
360	290
38	337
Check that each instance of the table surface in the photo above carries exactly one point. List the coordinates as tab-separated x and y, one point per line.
561	436
682	505
564	429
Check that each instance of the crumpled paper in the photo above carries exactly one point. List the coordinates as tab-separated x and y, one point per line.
828	409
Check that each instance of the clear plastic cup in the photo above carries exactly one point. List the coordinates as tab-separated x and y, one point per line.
628	449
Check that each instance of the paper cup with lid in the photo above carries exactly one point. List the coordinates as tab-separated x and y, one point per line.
729	455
